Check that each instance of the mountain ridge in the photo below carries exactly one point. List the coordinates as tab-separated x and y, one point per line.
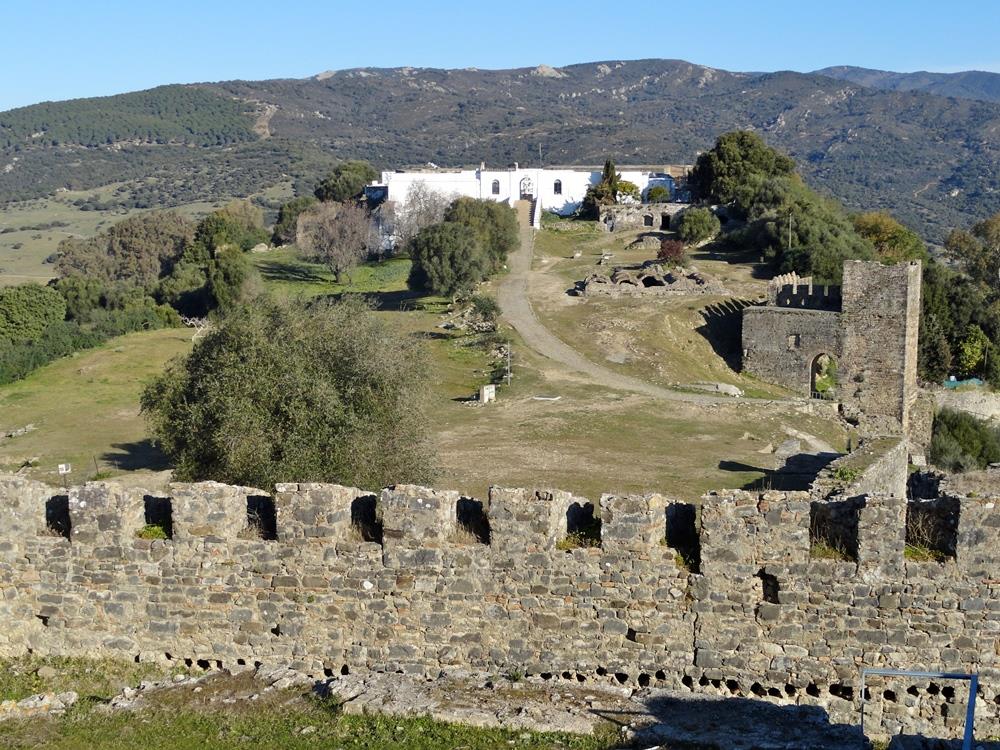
931	160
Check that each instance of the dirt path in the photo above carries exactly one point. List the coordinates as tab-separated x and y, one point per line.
513	298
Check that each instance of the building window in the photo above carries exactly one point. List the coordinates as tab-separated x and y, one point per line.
794	341
496	187
557	187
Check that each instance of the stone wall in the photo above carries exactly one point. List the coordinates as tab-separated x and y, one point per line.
654	216
780	344
873	337
416	580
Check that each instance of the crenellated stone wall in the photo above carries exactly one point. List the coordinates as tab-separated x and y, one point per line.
417	580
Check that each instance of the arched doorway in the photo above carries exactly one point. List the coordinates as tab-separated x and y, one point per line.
823	377
527	189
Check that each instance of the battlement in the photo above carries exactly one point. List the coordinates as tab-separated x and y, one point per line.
733	594
794	291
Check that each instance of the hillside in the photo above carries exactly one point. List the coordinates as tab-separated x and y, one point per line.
968	84
931	160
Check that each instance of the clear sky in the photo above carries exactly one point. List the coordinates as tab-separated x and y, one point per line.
64	49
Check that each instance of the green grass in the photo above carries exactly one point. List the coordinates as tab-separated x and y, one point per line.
280	728
86	408
923	553
823	550
284	271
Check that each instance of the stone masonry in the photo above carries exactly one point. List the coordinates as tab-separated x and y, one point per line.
727	600
869	326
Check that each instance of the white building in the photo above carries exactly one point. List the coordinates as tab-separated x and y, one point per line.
557	189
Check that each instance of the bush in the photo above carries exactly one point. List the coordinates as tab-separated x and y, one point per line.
58	340
486	307
698	224
495	225
288	216
961	442
347	181
672	251
282	391
657	194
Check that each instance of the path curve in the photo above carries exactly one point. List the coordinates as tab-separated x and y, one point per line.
513	297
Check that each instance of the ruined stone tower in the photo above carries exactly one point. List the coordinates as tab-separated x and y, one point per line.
869	326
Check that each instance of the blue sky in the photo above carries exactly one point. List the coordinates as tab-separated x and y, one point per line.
62	50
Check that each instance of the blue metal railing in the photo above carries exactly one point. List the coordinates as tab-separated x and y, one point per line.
970	710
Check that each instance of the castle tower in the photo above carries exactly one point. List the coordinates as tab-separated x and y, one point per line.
880	322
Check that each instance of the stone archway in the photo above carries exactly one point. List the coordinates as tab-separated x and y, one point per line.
823	376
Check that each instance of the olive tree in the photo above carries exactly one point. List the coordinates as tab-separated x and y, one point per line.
282	391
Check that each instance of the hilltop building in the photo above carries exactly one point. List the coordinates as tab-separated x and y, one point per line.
557	189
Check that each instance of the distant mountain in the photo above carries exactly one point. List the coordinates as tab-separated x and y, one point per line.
969	84
931	160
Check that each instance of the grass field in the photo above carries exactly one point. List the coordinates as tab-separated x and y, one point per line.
180	719
591	440
85	409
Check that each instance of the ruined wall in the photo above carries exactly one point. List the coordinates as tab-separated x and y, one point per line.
653	216
743	608
780	344
873	338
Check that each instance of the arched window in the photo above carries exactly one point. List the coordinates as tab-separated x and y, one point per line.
496	187
557	187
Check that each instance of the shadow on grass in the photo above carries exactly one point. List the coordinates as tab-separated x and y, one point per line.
142	454
723	329
276	270
750	258
797	473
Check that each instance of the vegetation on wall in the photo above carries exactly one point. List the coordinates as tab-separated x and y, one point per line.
284	392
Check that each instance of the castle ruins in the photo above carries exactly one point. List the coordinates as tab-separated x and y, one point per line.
869	327
732	595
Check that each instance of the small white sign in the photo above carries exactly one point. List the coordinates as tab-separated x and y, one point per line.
487	394
65	468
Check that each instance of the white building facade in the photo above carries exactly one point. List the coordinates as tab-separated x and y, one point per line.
556	189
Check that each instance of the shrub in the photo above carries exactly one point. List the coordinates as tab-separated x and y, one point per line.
961	442
447	260
284	391
698	224
486	307
27	310
346	182
657	194
495	225
672	251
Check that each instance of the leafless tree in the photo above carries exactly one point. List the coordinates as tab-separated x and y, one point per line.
423	208
340	235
